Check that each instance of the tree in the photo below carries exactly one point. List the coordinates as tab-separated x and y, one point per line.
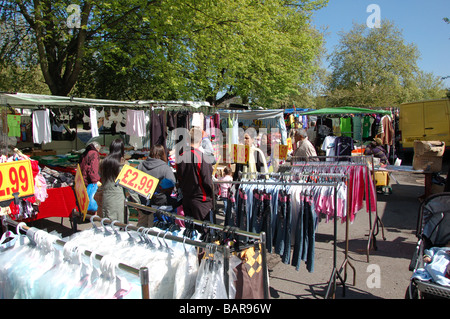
174	49
375	67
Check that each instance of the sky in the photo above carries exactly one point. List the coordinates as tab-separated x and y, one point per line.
420	20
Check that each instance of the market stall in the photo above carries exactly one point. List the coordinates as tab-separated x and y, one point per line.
56	129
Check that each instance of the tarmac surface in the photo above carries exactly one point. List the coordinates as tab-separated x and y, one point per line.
381	274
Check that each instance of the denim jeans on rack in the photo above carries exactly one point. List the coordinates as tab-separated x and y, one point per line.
267	221
230	212
262	216
282	236
305	237
242	214
257	211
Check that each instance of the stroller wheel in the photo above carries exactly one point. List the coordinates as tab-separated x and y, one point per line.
412	292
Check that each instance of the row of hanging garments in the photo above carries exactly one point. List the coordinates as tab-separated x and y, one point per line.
360	183
42	265
288	212
34	266
155	123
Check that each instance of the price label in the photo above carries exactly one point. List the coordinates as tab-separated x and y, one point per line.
138	181
289	144
81	192
16	178
241	153
283	151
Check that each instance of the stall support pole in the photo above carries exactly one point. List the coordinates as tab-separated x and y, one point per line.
334	274
346	261
143	275
264	265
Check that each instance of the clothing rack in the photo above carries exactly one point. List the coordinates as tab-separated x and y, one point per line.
335	274
352	161
142	272
226	249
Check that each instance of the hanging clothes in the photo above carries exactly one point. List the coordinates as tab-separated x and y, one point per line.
328	146
42	131
93	122
346	126
282	235
387	133
158	129
357	127
14	121
343	146
135	123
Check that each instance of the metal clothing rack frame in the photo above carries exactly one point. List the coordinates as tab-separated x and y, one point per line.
141	272
226	249
352	161
335	274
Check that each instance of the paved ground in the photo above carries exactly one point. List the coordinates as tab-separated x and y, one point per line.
384	276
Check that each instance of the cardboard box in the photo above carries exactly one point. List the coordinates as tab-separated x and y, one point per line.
429	148
430	164
428	156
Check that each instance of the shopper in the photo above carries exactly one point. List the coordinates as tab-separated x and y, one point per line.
194	175
225	187
113	196
89	163
376	149
305	149
156	165
256	159
89	166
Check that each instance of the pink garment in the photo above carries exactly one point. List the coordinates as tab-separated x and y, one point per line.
371	191
224	187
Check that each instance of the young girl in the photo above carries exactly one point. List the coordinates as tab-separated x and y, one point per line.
113	196
225	187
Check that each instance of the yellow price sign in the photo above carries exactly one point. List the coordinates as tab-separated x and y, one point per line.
289	144
241	153
81	192
283	152
138	181
16	178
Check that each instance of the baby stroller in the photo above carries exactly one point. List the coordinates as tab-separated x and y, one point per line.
433	230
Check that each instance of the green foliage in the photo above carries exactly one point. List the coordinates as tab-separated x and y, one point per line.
376	68
261	51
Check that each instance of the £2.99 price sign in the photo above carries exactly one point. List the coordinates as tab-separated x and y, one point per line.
16	178
138	181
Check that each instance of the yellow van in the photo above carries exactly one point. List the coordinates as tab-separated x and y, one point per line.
425	121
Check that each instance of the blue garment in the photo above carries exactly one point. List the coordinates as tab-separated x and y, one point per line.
305	237
282	236
91	190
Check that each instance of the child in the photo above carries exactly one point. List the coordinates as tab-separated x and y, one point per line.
225	187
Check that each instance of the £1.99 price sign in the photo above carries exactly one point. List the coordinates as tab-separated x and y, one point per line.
16	178
241	153
138	181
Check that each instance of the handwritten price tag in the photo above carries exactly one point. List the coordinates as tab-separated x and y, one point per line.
289	144
138	181
241	153
81	192
283	151
16	178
